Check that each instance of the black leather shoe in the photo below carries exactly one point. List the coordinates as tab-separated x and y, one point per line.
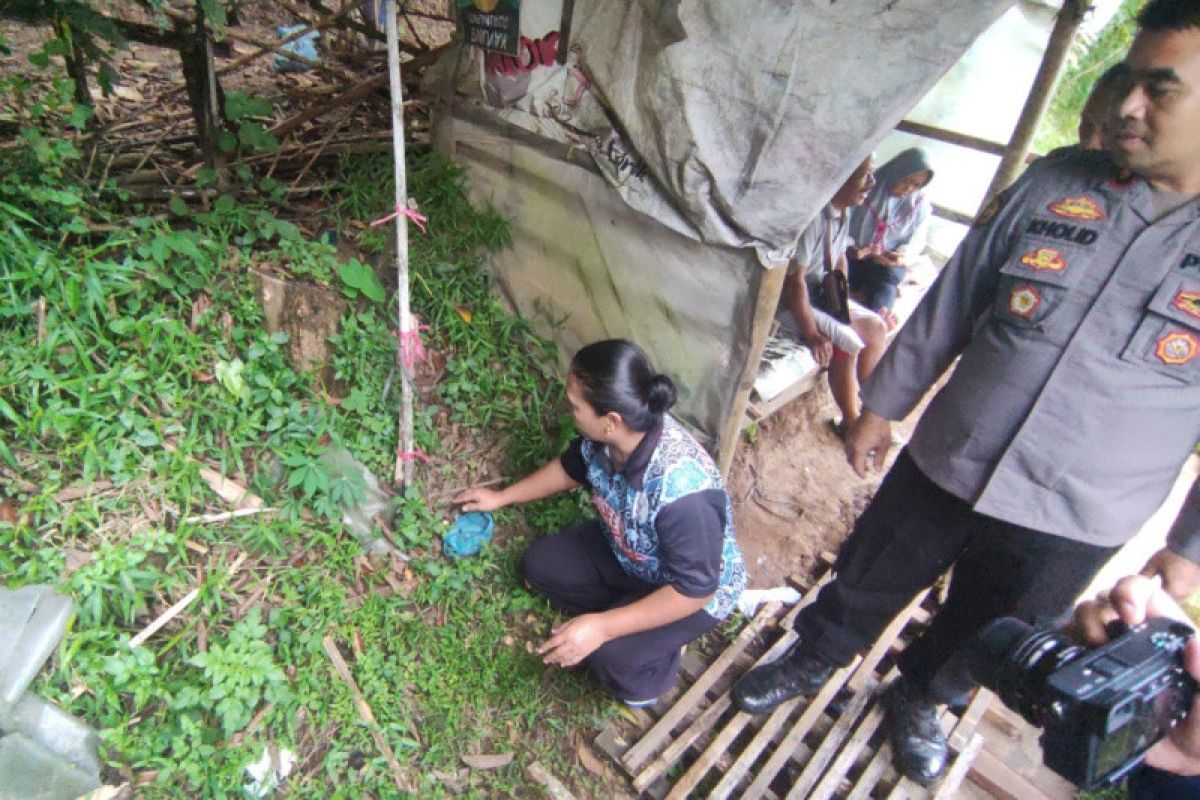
793	674
919	747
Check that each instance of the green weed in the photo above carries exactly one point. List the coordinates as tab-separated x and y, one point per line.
151	359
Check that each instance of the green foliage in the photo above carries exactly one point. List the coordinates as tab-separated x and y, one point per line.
153	336
358	278
1088	61
240	673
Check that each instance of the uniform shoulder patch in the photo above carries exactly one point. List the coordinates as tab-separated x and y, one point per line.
1188	302
1079	207
1177	347
991	210
1024	301
1045	259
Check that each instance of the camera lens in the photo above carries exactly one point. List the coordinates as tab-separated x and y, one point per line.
1014	660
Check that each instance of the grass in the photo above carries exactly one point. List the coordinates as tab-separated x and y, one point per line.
1087	62
152	360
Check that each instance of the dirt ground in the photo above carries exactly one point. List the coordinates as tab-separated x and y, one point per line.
794	495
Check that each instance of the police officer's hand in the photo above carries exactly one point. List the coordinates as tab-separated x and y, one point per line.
867	442
1180	575
1133	600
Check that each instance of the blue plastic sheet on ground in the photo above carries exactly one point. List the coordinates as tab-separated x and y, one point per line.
304	47
469	534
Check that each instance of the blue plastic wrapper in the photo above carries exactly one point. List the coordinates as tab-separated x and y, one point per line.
305	47
469	534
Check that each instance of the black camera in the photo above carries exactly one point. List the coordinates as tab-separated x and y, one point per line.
1099	710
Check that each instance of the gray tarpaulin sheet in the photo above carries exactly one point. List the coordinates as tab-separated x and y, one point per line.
750	113
584	266
679	146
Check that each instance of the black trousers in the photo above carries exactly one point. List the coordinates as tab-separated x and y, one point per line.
875	284
575	569
911	532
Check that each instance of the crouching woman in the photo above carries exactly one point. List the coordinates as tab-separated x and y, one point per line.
661	565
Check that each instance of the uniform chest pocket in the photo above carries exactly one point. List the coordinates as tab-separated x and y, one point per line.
1035	280
1167	339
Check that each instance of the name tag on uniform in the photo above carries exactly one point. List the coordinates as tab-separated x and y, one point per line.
1062	231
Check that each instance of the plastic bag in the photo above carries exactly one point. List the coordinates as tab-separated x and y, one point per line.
304	47
468	536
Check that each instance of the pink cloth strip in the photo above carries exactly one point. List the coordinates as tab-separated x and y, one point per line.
412	350
412	455
417	217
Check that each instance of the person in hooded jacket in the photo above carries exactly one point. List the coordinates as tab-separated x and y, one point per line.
888	230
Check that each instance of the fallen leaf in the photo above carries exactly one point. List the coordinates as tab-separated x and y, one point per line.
627	712
76	559
450	779
200	306
466	314
128	93
8	512
588	759
488	761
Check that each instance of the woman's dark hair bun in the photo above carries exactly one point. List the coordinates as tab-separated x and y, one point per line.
662	394
615	375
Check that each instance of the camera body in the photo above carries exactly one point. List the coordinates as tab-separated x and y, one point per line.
1100	710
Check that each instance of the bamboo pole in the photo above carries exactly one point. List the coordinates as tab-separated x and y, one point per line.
404	460
770	286
1065	26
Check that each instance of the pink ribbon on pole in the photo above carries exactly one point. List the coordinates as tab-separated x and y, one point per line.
412	349
412	455
417	217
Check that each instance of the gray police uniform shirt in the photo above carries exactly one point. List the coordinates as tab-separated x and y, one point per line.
1076	400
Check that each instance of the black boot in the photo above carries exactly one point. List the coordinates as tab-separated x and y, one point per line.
919	747
793	674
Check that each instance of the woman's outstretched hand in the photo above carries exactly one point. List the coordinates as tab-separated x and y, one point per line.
479	499
573	641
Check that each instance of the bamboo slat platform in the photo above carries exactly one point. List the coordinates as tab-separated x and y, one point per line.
694	743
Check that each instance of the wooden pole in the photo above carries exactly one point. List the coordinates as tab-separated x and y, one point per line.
404	458
770	286
1044	83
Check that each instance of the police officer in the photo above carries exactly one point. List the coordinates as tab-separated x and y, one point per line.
1073	308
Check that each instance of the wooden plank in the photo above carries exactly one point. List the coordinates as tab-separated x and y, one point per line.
831	744
765	408
948	788
870	776
709	718
766	734
650	742
969	721
766	300
848	756
682	788
796	735
1002	782
905	788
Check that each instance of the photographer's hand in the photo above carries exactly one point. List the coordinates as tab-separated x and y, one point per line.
1180	575
1133	600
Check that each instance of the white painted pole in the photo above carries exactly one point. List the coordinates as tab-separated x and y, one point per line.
404	457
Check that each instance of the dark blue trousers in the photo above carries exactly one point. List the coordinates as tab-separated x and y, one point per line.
576	570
